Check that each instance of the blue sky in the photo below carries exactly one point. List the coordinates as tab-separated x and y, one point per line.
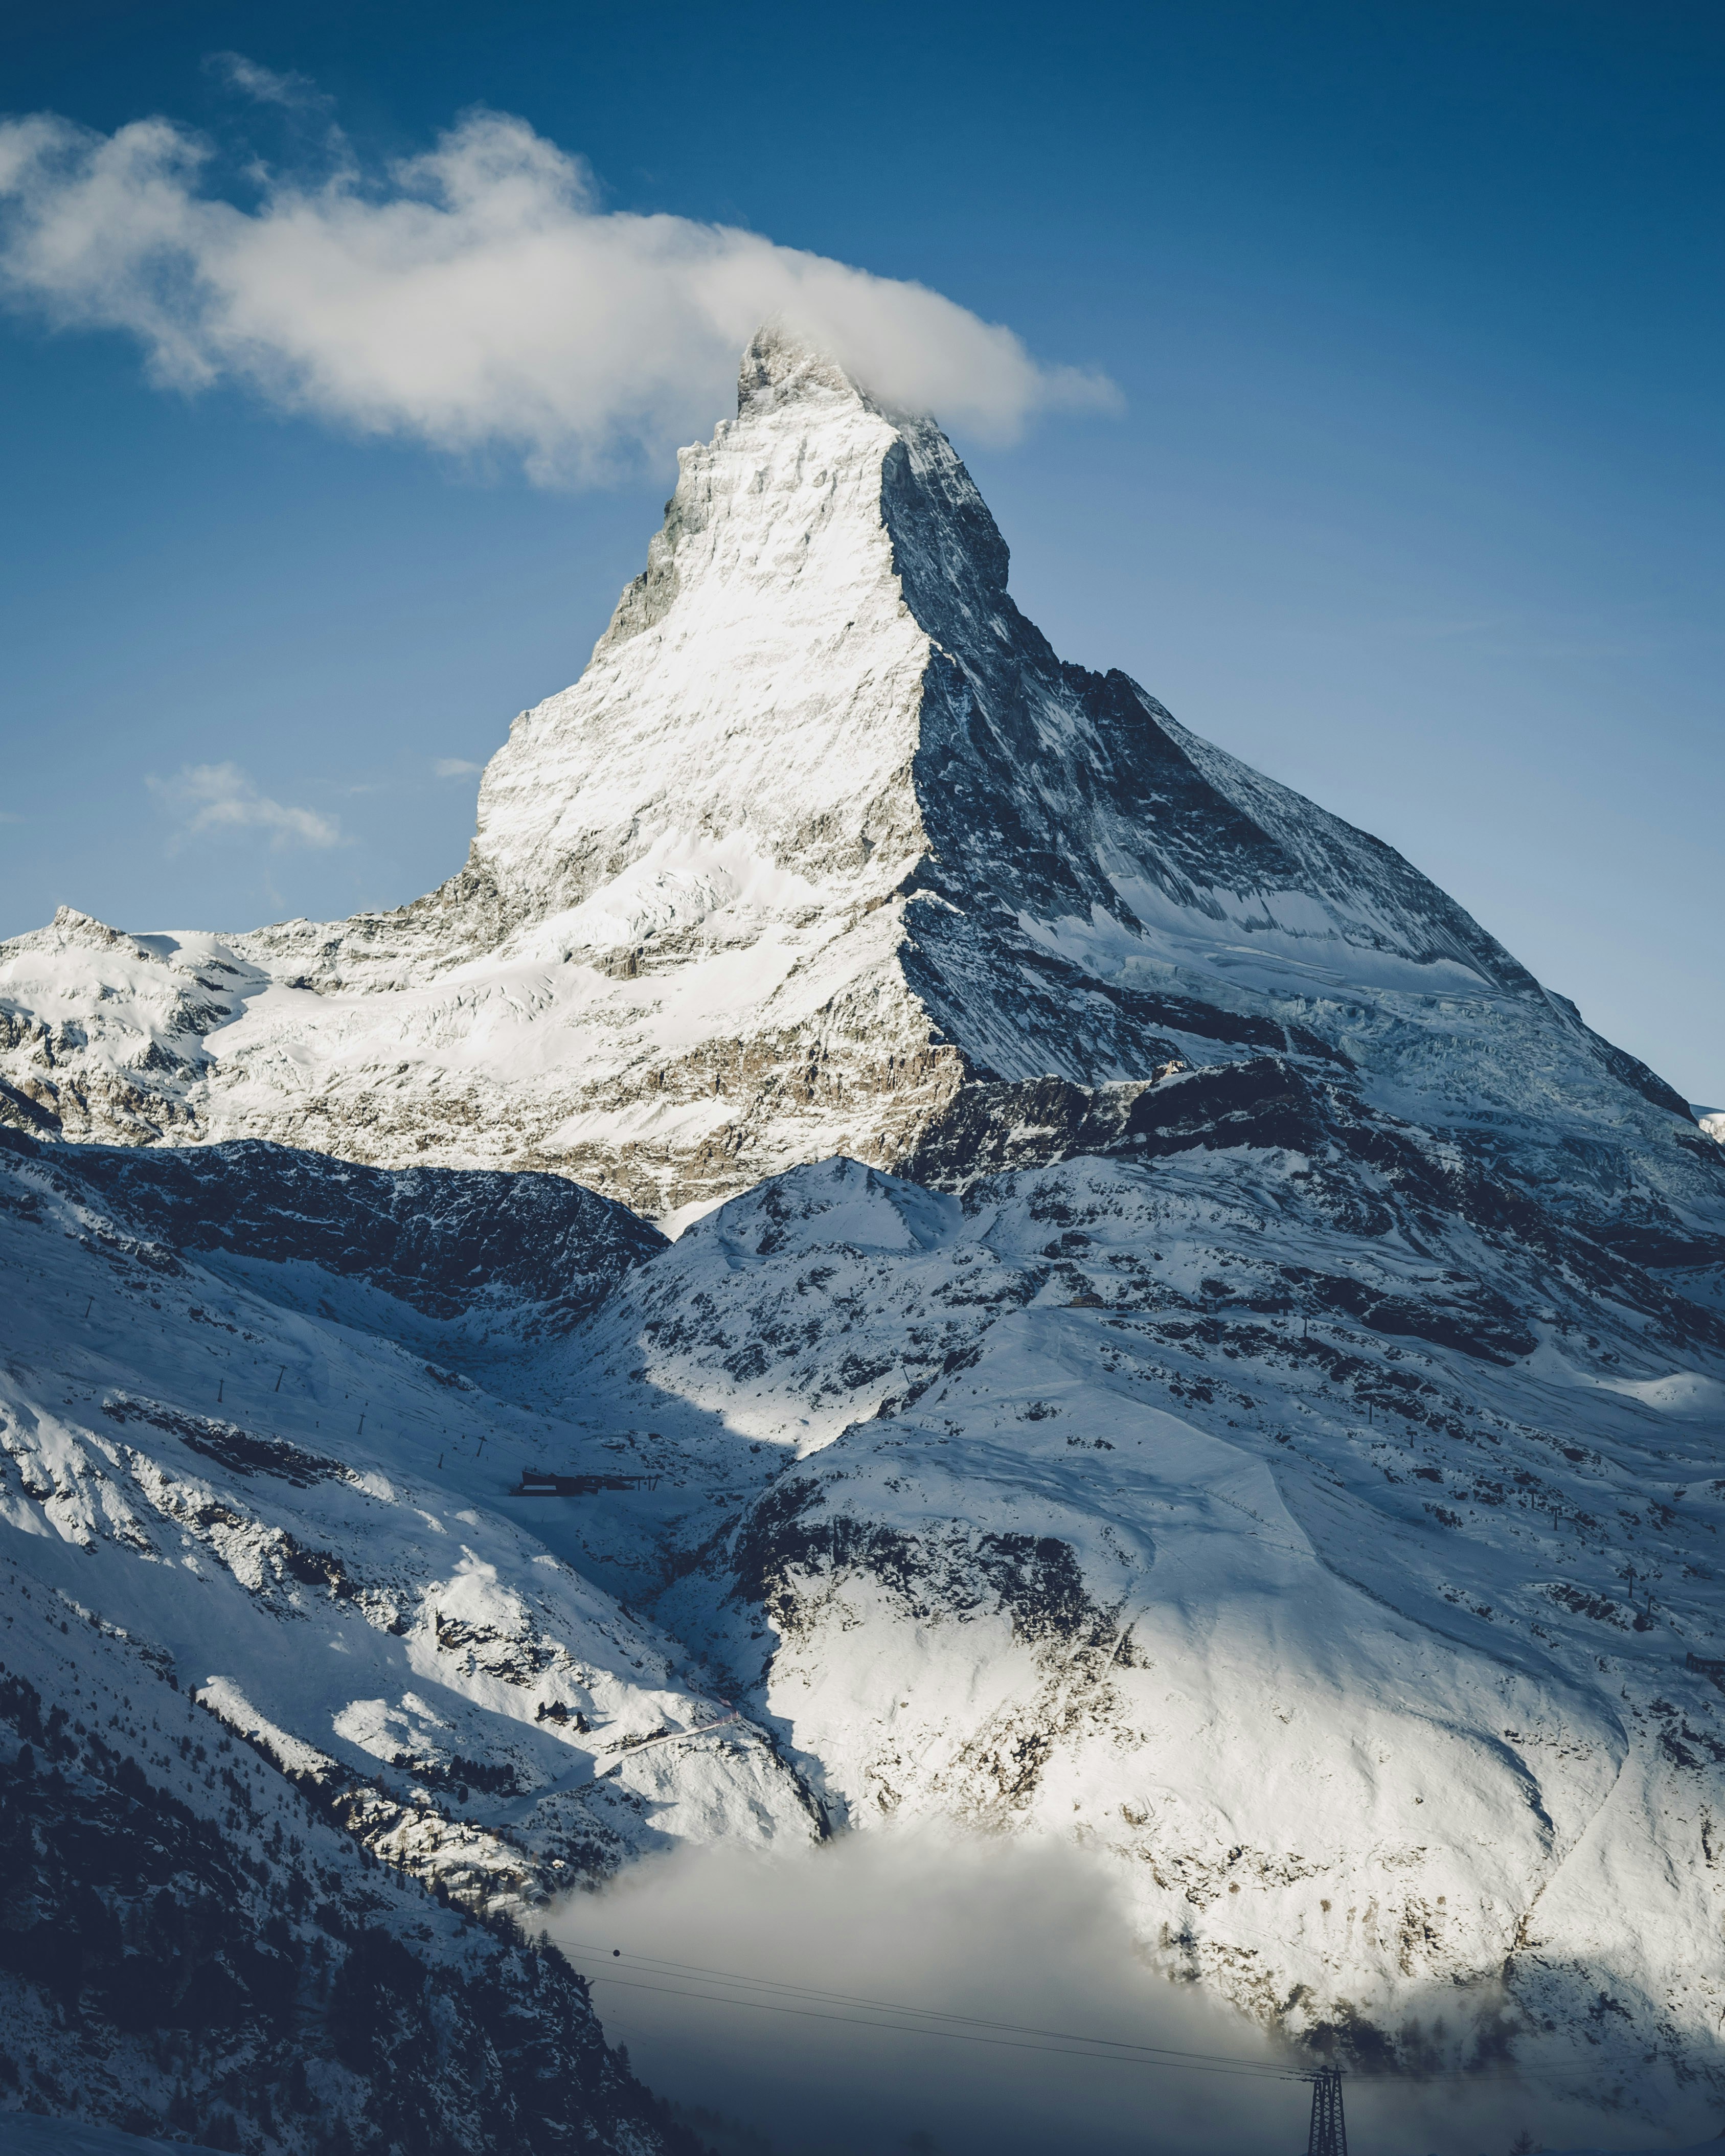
1412	496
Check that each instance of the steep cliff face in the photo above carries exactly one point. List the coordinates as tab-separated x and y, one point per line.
824	838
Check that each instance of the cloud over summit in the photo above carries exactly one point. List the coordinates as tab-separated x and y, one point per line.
476	297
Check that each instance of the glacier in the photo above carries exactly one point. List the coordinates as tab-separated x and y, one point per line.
1111	1308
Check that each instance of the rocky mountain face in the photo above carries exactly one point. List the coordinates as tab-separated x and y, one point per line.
1176	1340
825	848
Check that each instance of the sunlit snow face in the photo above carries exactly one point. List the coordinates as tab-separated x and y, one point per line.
681	882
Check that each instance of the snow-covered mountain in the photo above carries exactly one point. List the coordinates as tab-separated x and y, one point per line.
825	848
1196	1349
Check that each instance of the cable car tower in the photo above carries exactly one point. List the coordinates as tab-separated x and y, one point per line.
1329	2130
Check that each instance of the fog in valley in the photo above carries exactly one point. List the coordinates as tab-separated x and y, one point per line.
1001	1932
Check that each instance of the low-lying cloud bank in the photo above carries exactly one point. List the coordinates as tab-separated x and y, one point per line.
1005	1930
475	297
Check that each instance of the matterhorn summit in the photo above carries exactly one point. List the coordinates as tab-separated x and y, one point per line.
824	850
1165	1334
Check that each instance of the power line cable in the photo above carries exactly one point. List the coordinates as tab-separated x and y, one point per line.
922	2020
1117	2055
659	1965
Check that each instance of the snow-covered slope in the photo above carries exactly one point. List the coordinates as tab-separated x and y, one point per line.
190	1945
1343	1584
1338	1576
1196	1348
193	1947
245	1492
262	1467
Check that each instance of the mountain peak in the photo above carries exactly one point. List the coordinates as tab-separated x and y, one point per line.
825	835
782	364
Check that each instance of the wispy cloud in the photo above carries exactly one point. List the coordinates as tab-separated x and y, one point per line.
475	296
220	797
453	767
264	85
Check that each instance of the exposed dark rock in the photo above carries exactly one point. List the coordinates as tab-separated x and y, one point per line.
436	1237
241	1452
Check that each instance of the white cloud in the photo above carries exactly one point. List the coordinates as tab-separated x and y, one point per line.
453	767
476	297
296	92
219	796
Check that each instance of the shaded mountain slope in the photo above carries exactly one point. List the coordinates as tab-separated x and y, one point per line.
191	1946
533	1249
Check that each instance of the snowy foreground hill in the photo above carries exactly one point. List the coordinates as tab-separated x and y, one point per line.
1176	1340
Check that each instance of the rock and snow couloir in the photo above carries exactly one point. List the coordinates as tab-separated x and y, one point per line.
1196	1349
